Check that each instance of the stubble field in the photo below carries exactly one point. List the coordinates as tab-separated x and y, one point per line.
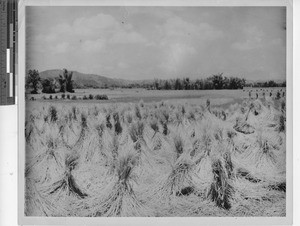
196	154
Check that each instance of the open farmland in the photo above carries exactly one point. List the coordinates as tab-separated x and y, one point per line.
189	153
217	97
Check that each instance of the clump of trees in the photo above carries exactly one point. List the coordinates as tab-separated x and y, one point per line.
48	85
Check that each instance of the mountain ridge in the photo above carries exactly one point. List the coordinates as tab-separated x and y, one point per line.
86	80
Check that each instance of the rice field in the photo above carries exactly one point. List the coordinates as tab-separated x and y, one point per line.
156	159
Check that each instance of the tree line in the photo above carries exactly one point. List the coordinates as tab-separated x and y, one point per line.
48	85
65	83
217	81
270	83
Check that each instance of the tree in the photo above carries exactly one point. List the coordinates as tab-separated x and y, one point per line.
218	81
233	83
156	84
33	80
178	84
236	83
271	83
62	83
69	82
186	83
66	82
226	83
167	85
208	83
48	86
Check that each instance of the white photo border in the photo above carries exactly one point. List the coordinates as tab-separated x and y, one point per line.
25	220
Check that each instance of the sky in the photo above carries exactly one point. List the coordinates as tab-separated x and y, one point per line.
158	42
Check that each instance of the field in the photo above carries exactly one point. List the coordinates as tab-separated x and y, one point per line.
218	97
176	153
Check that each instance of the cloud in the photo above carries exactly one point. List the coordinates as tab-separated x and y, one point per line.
127	37
182	40
60	48
246	45
123	65
61	29
99	27
94	25
176	55
93	45
177	27
253	39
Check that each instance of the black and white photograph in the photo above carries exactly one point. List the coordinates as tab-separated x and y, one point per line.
155	111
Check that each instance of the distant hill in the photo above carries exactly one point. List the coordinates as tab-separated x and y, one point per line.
82	80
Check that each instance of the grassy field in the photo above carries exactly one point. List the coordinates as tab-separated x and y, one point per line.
217	97
176	153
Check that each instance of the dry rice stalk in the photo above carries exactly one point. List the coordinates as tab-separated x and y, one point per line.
108	123
154	126
82	135
118	127
208	105
138	112
265	159
47	164
220	190
53	114
136	132
281	123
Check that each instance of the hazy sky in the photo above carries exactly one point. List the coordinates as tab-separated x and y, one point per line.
158	42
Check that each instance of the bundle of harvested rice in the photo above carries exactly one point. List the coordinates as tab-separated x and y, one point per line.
46	163
243	127
253	199
37	205
65	189
181	179
118	197
265	159
34	128
220	190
